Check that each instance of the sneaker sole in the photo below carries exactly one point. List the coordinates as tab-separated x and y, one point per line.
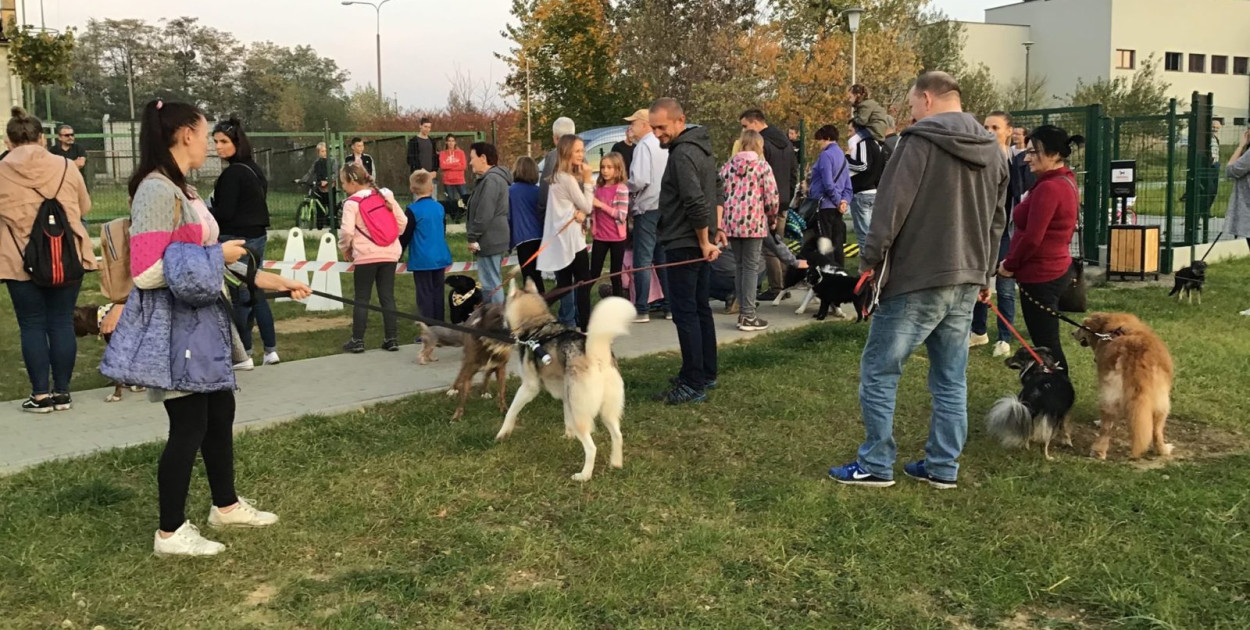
166	554
238	525
44	410
936	483
63	407
866	484
752	328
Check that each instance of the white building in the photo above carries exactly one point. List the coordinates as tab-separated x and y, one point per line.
10	84
1201	45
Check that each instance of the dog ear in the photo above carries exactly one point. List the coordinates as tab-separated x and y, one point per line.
530	287
512	291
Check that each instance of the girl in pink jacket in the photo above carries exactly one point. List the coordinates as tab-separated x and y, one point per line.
376	256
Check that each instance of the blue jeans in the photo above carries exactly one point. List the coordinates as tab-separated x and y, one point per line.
939	318
692	314
46	320
861	214
647	252
1006	290
253	310
490	275
567	314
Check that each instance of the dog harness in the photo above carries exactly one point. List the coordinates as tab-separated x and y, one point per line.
545	335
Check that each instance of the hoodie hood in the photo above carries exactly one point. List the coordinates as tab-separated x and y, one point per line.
959	134
693	136
28	166
774	138
499	171
743	162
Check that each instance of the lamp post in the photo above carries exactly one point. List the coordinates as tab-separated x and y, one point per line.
1028	47
852	22
377	7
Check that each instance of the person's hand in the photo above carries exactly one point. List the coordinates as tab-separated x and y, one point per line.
984	295
109	324
710	252
802	264
298	289
475	248
578	217
843	207
720	240
1002	271
233	251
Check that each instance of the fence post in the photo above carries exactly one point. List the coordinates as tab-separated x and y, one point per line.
1171	188
1095	152
494	134
1191	176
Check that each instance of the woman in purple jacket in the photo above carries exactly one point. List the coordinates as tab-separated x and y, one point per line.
831	184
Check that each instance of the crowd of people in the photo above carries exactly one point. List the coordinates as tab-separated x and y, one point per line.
942	211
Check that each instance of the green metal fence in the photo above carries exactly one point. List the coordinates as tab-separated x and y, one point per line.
284	157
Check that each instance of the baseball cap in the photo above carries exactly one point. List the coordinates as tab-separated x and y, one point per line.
642	114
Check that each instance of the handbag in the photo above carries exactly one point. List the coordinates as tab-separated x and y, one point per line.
1074	299
811	205
795	225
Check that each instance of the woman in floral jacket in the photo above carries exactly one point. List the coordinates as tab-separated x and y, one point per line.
751	205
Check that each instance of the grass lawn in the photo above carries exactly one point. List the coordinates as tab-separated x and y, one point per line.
721	518
301	334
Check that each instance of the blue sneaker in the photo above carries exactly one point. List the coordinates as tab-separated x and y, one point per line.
680	395
853	475
709	384
916	470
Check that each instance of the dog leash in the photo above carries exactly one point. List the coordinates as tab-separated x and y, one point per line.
517	270
1024	344
1061	317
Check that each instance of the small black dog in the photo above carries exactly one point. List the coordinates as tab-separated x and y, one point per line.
1040	410
1189	281
833	286
464	296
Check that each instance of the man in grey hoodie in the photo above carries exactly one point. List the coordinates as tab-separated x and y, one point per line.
487	225
933	246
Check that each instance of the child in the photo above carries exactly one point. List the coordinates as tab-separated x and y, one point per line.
375	257
524	220
426	241
608	221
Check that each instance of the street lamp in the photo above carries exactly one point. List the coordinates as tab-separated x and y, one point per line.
852	22
1028	47
377	7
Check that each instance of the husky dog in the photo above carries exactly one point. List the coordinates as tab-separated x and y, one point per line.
576	368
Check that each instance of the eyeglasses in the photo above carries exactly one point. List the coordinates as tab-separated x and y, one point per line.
67	135
1032	152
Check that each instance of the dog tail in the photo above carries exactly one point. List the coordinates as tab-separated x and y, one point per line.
610	319
1010	421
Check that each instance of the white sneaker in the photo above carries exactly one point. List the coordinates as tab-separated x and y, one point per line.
643	319
271	358
243	515
186	541
245	366
1246	312
1002	349
975	340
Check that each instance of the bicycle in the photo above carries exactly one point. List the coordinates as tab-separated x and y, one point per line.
311	210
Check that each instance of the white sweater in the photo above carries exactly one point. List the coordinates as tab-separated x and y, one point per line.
565	198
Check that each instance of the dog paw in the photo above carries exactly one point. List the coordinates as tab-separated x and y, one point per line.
1096	454
502	435
137	389
1166	450
581	477
112	398
487	395
617	462
458	415
452	392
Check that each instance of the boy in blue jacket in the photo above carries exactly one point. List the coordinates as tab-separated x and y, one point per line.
425	238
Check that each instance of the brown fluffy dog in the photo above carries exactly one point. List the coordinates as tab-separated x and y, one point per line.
1134	380
488	356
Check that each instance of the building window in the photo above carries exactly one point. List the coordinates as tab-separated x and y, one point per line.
1241	65
1239	122
1125	59
1219	64
1172	62
1197	63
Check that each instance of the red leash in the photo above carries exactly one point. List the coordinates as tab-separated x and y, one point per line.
1015	332
512	274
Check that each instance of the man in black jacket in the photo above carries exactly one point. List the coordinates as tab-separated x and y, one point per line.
780	155
691	200
422	154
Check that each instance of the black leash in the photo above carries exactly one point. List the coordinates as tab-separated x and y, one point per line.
1061	317
437	323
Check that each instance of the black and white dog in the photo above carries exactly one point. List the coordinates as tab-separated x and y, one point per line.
826	280
1041	409
1189	281
464	295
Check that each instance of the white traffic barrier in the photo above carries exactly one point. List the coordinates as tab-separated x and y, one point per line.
326	281
294	254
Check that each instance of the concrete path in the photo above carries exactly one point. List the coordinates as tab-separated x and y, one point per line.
327	385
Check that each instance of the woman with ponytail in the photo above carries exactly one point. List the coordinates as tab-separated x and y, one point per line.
175	335
1040	257
45	313
238	203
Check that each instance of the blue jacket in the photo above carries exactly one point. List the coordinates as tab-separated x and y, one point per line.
426	236
177	338
523	215
831	179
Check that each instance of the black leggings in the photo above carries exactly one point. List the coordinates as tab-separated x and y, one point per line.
365	276
203	423
1044	327
525	251
577	271
599	252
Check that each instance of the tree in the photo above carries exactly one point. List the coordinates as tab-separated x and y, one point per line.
1012	95
979	93
40	57
1143	95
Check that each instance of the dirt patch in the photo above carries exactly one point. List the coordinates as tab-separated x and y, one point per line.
311	324
1190	440
261	595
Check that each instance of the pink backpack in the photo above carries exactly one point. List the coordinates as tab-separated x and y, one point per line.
378	220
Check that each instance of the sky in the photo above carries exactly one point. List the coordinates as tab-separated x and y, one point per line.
424	42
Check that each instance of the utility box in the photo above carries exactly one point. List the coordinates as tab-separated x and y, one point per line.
1134	251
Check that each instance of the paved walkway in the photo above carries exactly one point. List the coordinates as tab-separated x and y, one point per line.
327	385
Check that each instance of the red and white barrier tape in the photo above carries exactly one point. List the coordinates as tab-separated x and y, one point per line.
344	267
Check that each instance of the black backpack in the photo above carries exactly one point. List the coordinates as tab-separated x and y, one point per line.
51	256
